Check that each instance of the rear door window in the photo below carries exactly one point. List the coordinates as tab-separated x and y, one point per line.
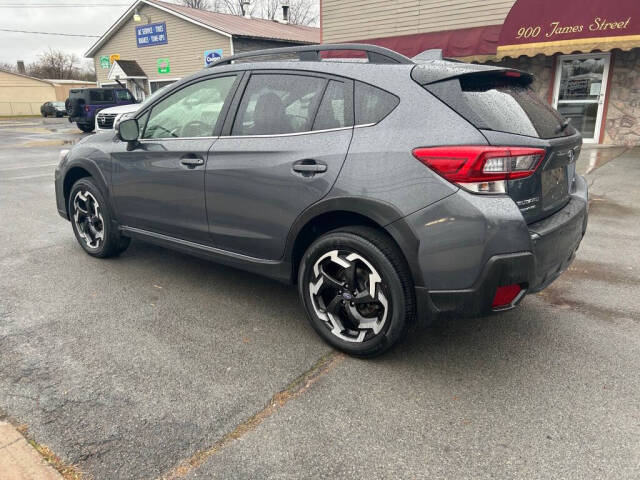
373	104
331	113
275	104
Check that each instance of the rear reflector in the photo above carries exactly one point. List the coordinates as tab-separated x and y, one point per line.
481	169
505	295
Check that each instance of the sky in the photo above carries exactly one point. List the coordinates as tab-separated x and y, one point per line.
94	17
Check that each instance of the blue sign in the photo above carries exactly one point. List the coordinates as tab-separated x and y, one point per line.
211	56
152	34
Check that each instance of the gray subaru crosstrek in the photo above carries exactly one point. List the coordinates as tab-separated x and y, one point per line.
389	190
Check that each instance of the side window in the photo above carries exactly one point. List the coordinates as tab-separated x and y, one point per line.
373	104
142	121
331	113
123	95
101	96
190	112
278	104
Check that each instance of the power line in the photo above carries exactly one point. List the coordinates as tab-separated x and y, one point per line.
49	33
85	5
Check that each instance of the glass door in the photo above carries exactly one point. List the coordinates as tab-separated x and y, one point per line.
580	86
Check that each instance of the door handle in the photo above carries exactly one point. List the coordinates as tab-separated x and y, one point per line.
192	161
309	166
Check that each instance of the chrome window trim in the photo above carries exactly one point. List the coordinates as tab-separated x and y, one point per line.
297	134
151	140
275	135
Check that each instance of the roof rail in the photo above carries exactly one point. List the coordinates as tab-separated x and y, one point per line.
311	53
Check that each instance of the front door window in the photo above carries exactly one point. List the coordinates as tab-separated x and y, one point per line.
580	90
190	112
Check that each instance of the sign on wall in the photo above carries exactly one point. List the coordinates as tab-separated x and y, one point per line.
104	61
548	20
114	58
211	56
151	34
163	65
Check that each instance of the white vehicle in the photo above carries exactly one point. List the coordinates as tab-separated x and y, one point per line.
109	117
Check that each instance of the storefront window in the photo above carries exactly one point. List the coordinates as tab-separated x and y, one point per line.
580	91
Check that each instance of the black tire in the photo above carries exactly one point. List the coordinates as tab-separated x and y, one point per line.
44	114
112	242
86	128
372	248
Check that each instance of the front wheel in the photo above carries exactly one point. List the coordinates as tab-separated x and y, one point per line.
91	221
357	290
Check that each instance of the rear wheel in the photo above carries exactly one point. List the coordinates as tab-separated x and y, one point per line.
91	221
85	127
357	290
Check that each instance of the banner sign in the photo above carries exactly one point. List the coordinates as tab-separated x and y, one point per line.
531	21
163	65
151	34
104	61
211	56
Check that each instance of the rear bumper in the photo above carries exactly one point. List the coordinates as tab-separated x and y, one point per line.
551	247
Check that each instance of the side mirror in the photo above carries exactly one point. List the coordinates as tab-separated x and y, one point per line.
128	130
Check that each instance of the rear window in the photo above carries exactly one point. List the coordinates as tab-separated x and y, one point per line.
373	104
101	96
501	105
513	109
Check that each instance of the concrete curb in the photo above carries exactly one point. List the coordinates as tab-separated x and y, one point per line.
19	460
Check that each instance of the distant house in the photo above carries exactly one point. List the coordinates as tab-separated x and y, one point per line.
23	95
162	42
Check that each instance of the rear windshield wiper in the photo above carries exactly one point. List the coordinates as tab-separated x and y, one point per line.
563	126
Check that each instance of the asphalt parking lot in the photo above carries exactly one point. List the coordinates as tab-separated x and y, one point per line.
159	365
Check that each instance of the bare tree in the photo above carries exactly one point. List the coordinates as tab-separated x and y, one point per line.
301	12
56	64
269	9
199	4
234	7
304	12
7	67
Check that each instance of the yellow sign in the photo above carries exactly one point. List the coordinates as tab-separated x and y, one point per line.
114	57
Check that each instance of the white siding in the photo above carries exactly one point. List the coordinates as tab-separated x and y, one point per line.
185	48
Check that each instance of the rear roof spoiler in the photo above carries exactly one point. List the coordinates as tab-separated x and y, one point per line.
432	71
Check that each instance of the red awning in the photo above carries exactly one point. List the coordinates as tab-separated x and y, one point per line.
465	42
548	26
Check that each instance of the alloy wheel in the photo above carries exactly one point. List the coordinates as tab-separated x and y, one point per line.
88	218
347	294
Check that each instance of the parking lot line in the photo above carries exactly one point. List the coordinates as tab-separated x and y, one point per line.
26	177
23	167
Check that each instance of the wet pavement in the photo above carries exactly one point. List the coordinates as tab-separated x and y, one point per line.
161	365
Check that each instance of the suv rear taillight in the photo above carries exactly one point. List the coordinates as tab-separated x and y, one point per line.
481	169
86	108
